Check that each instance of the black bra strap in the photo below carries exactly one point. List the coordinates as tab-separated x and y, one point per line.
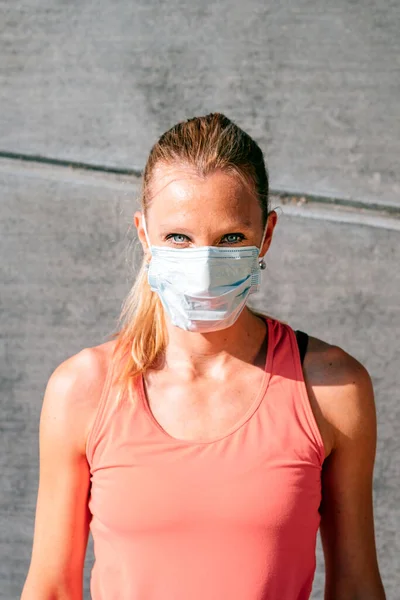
302	342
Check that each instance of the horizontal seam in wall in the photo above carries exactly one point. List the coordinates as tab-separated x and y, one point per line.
315	206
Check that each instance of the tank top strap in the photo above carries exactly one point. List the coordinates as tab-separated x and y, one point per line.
110	400
291	367
302	342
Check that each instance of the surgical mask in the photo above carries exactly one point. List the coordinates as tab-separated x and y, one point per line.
204	289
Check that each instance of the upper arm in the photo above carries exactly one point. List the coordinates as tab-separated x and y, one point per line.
347	525
62	515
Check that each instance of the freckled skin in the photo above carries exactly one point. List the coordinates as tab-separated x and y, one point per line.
202	211
212	366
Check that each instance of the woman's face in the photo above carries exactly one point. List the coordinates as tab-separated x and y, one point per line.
187	211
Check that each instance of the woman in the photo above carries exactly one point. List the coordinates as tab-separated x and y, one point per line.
198	448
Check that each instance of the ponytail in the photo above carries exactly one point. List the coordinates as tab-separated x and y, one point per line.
142	333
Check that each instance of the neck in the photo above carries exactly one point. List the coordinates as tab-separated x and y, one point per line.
202	354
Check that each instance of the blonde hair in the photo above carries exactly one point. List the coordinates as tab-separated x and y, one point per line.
206	144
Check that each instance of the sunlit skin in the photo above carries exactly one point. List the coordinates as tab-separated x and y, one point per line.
200	389
188	393
187	211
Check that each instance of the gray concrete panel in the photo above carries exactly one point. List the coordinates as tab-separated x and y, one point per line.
340	282
66	265
63	274
317	84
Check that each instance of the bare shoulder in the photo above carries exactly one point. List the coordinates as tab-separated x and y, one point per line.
340	392
74	389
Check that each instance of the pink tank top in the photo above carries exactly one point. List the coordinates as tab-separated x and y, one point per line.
233	518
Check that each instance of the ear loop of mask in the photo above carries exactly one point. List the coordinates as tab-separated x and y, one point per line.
147	264
261	261
145	232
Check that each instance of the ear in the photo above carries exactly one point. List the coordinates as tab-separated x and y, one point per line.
138	220
272	220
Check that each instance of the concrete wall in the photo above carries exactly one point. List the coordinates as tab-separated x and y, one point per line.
68	261
317	84
97	82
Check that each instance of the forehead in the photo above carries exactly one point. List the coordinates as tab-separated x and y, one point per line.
180	191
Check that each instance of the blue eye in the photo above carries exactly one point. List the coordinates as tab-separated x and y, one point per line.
177	238
233	238
180	239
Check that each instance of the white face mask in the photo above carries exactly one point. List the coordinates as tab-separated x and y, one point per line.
204	289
